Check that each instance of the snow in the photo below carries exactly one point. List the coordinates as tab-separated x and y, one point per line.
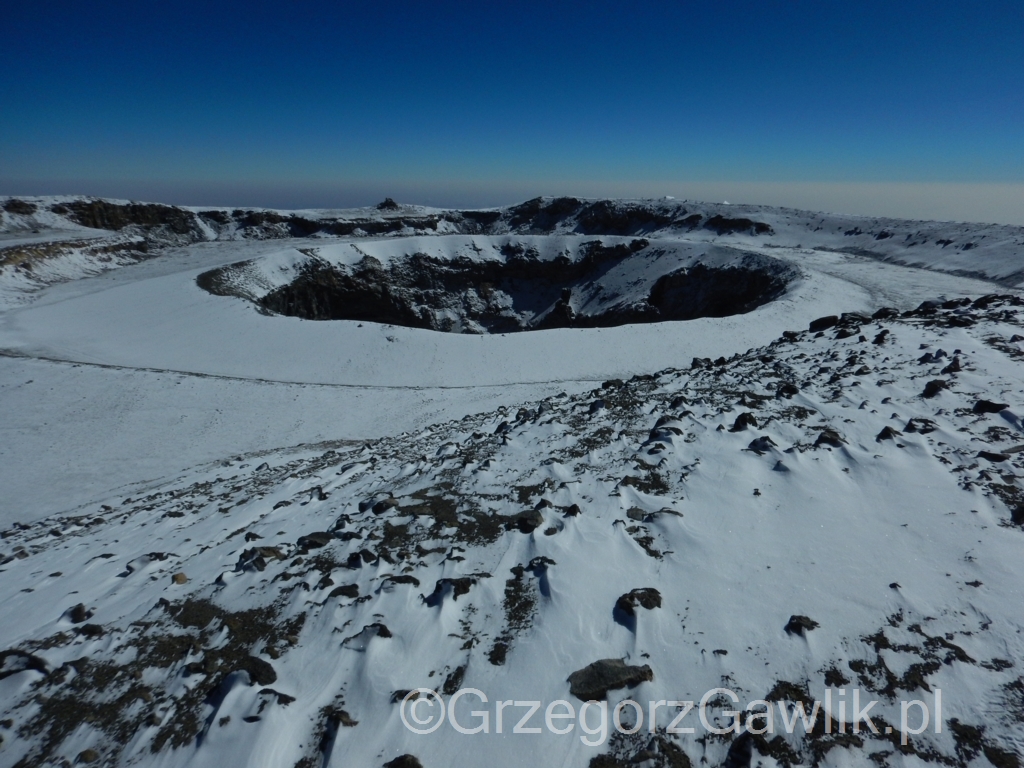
182	420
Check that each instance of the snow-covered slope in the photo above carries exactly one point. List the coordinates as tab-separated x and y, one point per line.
985	251
361	508
825	476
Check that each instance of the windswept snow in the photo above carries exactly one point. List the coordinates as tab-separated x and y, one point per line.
232	536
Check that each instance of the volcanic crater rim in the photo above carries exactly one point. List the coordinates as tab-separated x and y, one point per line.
482	285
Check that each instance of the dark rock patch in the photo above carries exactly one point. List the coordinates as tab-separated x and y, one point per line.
595	680
404	761
19	207
799	625
823	323
345	590
13	661
987	406
992	456
887	433
829	437
724	226
744	420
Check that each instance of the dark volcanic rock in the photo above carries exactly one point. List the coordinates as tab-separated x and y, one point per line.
19	207
823	323
260	672
595	680
453	586
724	226
647	597
933	387
12	662
521	292
992	456
920	425
829	437
608	217
743	421
786	389
761	445
345	590
741	752
404	761
798	625
987	406
101	214
526	522
887	433
78	614
314	540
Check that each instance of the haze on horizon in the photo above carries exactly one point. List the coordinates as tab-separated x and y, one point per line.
911	109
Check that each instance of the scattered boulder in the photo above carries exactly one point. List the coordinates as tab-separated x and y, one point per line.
453	682
387	205
525	522
953	367
887	433
595	680
13	661
646	597
799	625
404	761
361	640
260	672
741	752
744	420
761	445
384	505
314	541
403	578
88	756
829	437
345	590
79	614
786	389
987	406
449	586
90	630
255	558
992	456
356	559
933	387
920	425
823	323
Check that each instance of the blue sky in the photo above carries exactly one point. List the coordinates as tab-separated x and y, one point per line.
319	103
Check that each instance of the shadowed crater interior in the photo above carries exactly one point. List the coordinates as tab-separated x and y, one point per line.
517	285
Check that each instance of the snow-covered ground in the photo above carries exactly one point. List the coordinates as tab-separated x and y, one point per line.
181	420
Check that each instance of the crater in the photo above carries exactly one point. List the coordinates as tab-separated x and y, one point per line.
461	284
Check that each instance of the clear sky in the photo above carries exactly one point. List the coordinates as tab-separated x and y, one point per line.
338	103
